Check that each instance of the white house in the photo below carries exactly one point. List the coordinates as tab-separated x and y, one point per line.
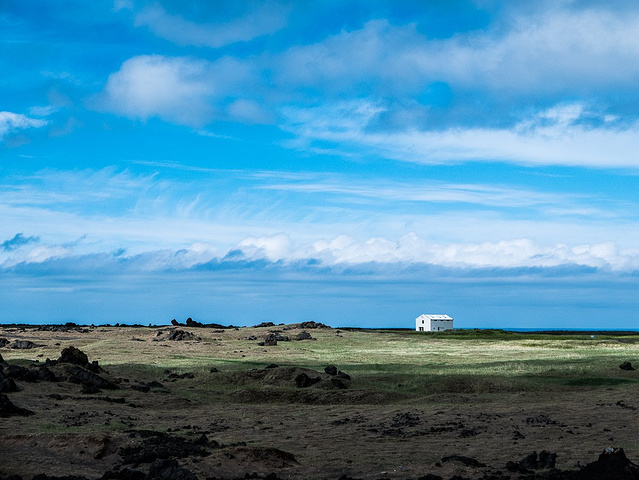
433	323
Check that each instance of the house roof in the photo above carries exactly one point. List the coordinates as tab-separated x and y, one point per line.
427	316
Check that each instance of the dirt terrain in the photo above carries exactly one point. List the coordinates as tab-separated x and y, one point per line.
298	401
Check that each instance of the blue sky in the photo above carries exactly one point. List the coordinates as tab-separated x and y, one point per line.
351	162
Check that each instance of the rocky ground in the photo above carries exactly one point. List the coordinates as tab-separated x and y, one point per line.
74	416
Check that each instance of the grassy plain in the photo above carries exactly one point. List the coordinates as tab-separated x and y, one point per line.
412	398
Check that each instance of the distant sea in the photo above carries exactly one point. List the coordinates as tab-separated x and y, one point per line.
566	329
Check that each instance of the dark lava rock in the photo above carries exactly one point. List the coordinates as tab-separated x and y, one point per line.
175	323
124	474
8	409
213	370
269	341
343	376
192	323
264	324
281	338
7	385
169	470
154	384
304	381
468	461
304	336
179	335
21	373
626	366
46	375
544	461
612	464
312	324
3	342
431	476
23	345
272	365
81	375
158	446
331	370
73	355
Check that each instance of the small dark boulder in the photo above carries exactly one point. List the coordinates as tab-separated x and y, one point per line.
3	342
331	370
73	355
264	324
7	385
192	323
304	336
343	376
46	375
8	409
312	324
179	335
80	375
269	341
626	366
169	470
545	460
304	381
21	373
23	345
175	323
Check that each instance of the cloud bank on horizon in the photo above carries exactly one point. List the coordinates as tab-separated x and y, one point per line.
405	149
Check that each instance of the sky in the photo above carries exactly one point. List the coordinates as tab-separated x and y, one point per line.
356	163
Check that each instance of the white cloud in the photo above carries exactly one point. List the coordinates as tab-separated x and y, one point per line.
262	20
342	252
550	137
175	89
182	90
559	50
11	122
411	249
273	247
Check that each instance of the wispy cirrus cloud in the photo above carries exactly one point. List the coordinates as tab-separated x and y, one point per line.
264	19
560	135
14	122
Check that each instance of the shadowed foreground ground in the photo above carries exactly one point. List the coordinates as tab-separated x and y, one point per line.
210	402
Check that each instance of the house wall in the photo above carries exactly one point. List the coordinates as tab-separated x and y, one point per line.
425	324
